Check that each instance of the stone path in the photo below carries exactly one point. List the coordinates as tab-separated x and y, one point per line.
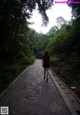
32	95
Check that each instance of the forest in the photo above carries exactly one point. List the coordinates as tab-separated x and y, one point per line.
20	45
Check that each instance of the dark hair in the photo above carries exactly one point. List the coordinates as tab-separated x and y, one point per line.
46	53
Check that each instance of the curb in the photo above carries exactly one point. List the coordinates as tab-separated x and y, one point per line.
11	85
73	94
67	102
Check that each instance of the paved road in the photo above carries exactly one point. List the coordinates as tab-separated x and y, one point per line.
32	95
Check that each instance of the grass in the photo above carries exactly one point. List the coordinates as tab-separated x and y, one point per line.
69	71
9	71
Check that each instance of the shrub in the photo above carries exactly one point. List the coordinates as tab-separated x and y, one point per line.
54	60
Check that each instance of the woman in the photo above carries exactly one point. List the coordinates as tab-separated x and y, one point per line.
46	64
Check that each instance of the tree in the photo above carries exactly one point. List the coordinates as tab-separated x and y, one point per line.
14	13
53	30
60	21
75	7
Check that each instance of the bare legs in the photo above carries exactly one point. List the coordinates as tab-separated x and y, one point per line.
46	73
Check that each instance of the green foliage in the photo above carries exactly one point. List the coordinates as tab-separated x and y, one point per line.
63	46
19	44
30	59
66	46
10	71
54	60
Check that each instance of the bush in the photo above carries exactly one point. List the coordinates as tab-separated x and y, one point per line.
54	60
10	71
21	55
28	60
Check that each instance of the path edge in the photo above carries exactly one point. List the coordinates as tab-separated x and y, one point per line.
67	102
12	83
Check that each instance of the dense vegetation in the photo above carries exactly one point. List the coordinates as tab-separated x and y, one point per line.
66	54
19	45
15	43
63	46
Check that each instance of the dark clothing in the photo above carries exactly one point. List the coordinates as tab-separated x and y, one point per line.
46	61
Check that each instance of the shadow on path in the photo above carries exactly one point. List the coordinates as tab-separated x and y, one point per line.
32	95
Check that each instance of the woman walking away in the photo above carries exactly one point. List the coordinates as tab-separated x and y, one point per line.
46	65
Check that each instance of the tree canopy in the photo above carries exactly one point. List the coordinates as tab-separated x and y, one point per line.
75	7
19	45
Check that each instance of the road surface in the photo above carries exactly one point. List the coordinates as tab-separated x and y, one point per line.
32	95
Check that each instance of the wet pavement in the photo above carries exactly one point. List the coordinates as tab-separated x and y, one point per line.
32	95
